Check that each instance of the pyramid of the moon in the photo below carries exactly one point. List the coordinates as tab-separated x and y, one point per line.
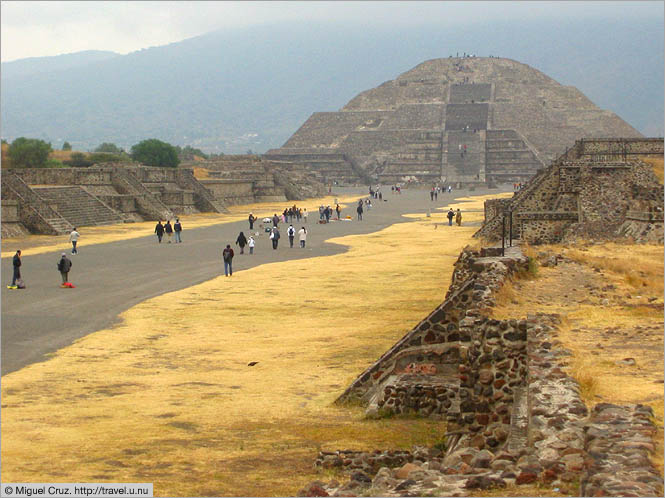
467	120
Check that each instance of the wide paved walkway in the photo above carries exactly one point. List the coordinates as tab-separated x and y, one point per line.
112	277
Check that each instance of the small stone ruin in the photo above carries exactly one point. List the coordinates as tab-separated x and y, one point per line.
512	414
600	189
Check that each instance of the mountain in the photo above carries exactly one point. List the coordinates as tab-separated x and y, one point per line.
233	90
37	65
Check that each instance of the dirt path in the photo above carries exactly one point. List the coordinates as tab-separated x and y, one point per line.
111	277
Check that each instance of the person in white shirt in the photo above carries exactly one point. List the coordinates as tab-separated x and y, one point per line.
73	238
291	232
251	243
302	237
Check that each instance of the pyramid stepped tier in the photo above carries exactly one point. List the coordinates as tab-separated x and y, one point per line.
468	94
466	154
78	206
378	133
509	157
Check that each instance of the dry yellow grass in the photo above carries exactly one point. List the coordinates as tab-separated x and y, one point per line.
168	397
657	165
599	336
40	244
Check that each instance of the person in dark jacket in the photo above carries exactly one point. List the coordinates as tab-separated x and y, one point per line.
275	220
227	256
168	229
291	233
16	261
338	210
159	230
359	210
64	265
252	219
177	228
451	215
274	236
242	242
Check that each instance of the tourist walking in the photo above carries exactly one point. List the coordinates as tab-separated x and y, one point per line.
304	215
227	256
252	219
241	241
451	215
74	238
291	233
302	237
431	194
168	229
177	228
251	243
159	230
64	265
327	212
274	237
458	218
338	210
275	220
16	262
359	210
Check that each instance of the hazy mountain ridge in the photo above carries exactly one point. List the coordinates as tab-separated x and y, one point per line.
216	90
38	65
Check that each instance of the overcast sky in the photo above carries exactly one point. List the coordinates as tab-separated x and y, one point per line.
37	29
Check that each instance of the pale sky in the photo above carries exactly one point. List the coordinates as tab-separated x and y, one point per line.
37	29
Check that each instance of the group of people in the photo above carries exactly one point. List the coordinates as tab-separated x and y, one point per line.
169	230
458	217
435	190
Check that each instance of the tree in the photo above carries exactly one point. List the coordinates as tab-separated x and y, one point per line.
109	147
105	157
29	152
188	153
153	152
77	160
66	146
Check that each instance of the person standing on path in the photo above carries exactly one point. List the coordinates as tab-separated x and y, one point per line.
159	230
16	262
242	242
177	228
64	265
302	237
274	237
168	229
304	215
275	220
251	243
227	256
451	215
252	219
431	194
291	233
359	210
338	210
73	238
458	217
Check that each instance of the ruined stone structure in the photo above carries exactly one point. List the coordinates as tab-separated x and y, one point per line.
513	415
242	179
598	188
469	120
53	201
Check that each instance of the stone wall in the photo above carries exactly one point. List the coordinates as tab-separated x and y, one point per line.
585	194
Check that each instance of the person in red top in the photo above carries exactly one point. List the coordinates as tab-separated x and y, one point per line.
227	256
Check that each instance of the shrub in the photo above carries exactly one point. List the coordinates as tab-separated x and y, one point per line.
66	146
153	152
29	152
105	157
78	160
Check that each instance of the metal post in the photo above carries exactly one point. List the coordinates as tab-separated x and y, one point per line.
511	228
503	235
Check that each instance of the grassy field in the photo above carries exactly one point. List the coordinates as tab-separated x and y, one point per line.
168	396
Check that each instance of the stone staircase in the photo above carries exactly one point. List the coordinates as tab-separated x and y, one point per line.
35	212
78	207
149	205
509	157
